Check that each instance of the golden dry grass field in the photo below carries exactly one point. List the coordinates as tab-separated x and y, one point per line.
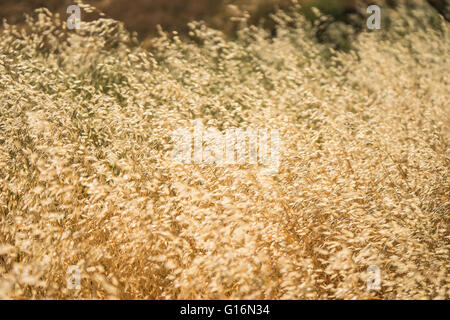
87	178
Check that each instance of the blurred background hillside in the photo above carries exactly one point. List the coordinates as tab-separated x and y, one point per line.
143	16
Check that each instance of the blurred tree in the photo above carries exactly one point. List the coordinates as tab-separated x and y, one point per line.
442	6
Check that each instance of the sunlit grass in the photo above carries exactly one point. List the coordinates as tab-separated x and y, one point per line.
87	178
